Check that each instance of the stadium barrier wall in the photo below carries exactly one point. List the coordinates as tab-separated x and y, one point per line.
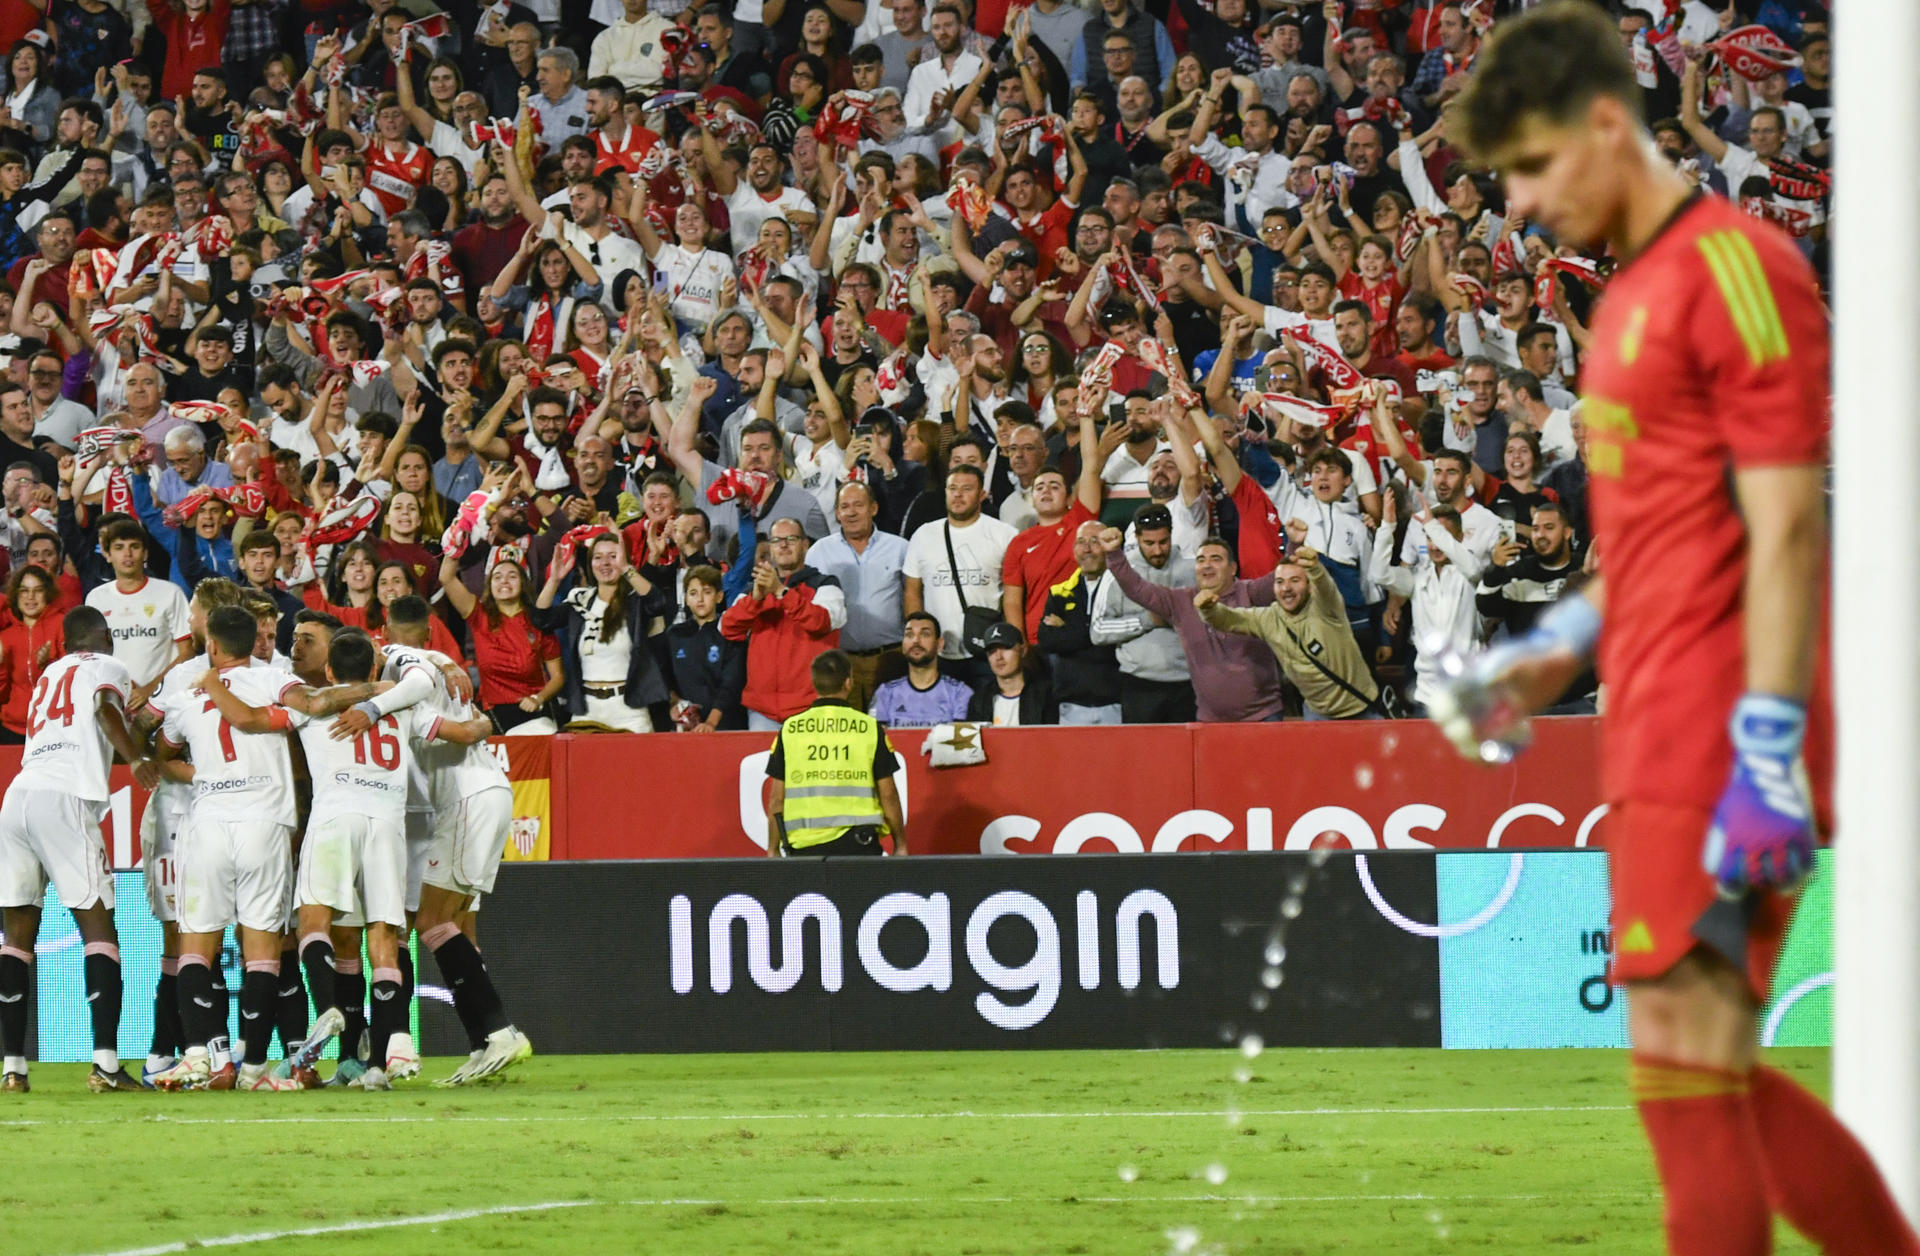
1322	948
1143	789
1453	949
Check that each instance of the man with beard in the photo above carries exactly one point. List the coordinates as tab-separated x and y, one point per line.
937	81
640	452
1155	684
1353	330
1306	628
1133	100
1526	577
1153	55
766	495
1005	297
1366	153
1255	172
1235	680
760	196
617	143
1086	676
924	696
1043	555
1414	326
483	247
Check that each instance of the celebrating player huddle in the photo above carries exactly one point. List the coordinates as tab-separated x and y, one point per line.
408	820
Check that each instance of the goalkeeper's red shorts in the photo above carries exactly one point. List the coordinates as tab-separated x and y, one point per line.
1665	903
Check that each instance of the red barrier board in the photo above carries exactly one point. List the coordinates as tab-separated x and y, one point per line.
1155	788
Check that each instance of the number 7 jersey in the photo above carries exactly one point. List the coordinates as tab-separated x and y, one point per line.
236	775
67	750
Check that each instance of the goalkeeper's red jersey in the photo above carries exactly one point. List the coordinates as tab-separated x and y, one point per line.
1709	355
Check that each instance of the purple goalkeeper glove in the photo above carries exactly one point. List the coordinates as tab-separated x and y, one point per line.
1762	832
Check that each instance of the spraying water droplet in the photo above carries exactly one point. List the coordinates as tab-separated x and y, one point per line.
1318	856
1243	1075
1270	978
1259	1001
1128	1173
1363	776
1182	1239
1276	952
1252	1045
1234	1115
1297	884
1290	907
1216	1173
1433	1216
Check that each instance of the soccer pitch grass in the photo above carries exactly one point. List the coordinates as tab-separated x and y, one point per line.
978	1152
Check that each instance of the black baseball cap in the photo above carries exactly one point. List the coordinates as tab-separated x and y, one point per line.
1002	636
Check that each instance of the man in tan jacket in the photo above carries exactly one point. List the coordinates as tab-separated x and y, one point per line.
1306	628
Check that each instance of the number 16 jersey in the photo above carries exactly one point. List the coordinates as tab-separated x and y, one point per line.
365	775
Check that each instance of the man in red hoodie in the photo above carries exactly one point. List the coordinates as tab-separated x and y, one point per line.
790	614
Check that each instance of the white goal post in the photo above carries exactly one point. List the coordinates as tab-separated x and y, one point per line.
1876	609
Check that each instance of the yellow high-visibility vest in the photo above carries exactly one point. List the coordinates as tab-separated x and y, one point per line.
828	752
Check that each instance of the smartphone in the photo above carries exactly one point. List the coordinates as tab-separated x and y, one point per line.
1509	532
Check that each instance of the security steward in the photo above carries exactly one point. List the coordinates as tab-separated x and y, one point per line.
832	768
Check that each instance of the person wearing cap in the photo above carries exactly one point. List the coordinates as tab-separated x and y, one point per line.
1010	697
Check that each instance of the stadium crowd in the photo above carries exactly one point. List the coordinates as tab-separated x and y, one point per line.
1063	363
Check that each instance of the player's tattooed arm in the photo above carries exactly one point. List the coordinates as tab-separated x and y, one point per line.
247	719
334	698
113	722
172	767
464	732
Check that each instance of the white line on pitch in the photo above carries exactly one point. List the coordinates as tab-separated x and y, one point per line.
345	1227
822	1201
645	1117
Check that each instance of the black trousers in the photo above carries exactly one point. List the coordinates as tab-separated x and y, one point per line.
1155	701
862	839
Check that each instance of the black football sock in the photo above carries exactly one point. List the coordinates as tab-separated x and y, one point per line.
388	1015
406	975
350	996
201	1010
169	1036
259	991
15	976
222	996
466	977
322	979
290	1002
101	969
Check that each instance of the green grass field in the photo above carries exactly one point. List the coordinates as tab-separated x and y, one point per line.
985	1152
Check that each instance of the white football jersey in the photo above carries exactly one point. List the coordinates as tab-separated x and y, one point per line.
67	749
236	775
452	772
369	775
172	798
146	624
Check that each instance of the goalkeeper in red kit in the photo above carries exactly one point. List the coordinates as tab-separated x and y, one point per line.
1707	411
